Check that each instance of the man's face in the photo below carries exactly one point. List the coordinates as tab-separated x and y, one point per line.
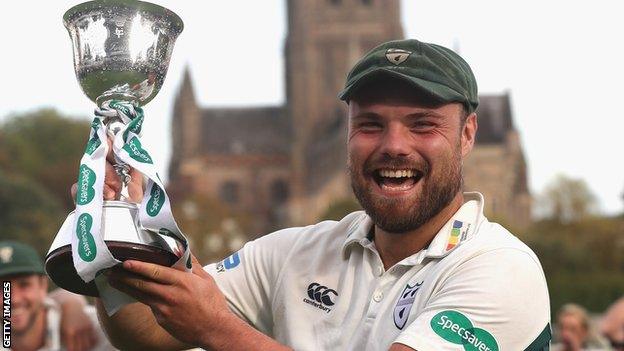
27	294
405	157
571	331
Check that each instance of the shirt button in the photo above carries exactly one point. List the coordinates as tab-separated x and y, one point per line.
378	296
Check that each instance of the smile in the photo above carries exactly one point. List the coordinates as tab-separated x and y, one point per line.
396	180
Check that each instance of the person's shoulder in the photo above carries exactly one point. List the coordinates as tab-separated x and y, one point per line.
328	230
491	236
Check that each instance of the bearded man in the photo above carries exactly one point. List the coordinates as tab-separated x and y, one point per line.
421	268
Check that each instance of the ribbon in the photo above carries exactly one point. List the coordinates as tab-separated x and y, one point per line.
89	252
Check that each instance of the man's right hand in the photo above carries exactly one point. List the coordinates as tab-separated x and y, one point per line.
113	184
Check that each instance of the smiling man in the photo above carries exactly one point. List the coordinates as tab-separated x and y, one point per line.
421	268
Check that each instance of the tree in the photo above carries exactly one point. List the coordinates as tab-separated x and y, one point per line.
45	147
567	199
28	213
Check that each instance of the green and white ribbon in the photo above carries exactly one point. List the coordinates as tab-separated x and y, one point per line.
90	253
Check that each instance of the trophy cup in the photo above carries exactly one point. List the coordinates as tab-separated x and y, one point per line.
121	50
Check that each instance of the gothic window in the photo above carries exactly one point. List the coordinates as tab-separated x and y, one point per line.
229	192
279	191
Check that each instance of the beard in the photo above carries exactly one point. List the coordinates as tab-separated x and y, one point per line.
400	215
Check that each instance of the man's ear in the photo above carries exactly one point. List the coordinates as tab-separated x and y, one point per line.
469	132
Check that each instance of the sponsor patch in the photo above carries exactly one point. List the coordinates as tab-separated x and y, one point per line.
230	262
456	328
404	305
454	237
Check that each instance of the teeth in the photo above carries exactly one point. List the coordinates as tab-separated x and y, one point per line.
396	173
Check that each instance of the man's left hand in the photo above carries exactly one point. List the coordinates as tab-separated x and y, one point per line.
187	305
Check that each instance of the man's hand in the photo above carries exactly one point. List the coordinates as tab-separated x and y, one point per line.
77	330
187	305
112	181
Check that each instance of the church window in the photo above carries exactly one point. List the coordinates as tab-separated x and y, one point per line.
230	192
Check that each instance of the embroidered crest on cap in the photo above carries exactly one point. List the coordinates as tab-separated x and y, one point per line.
397	56
6	254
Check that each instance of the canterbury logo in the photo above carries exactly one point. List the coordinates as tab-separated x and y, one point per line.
321	294
320	297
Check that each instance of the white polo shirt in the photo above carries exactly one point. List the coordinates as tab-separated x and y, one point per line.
323	287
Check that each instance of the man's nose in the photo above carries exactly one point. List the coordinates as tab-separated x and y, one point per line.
397	141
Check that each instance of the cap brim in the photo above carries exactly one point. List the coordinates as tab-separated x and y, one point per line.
20	270
437	91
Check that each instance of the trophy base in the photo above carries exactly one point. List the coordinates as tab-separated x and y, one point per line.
60	267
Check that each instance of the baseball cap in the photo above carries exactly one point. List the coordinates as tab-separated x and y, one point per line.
17	258
437	71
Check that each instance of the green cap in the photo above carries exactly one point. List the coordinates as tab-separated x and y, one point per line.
432	68
17	258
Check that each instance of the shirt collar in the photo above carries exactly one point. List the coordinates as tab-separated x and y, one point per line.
461	227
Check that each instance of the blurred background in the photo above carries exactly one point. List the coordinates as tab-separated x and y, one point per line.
250	136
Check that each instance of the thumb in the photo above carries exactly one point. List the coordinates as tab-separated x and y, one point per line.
135	186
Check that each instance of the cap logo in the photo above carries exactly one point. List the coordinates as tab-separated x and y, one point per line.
397	56
6	254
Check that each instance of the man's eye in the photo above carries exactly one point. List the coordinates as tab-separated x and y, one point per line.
424	125
370	126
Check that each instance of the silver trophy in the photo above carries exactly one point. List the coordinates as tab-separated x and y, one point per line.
121	52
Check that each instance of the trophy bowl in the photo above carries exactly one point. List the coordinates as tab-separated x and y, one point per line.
122	50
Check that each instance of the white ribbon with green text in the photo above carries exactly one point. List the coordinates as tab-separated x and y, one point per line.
90	253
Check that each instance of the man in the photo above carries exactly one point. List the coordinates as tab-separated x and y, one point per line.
612	325
421	269
573	328
38	317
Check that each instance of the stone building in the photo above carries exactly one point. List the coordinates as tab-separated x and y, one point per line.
284	165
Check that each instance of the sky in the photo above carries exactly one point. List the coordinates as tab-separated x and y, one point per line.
560	61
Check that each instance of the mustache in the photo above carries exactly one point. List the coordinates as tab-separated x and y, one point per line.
387	161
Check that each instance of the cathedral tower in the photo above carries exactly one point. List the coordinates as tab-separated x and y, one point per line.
325	38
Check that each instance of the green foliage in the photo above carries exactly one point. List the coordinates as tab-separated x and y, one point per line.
582	260
28	213
45	147
338	209
567	199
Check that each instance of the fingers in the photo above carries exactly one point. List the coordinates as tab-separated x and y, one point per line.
198	269
155	272
135	187
112	183
74	191
144	290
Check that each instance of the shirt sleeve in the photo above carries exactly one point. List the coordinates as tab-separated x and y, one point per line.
497	300
248	277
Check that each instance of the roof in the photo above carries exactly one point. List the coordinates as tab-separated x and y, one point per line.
250	130
494	119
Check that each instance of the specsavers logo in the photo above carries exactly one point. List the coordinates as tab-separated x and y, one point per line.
454	327
156	201
86	180
86	243
134	149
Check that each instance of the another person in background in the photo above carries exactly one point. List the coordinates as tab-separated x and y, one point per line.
612	326
574	330
41	321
